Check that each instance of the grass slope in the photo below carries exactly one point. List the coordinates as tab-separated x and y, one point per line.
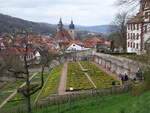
123	103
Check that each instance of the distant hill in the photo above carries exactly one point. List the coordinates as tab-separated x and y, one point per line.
9	24
99	28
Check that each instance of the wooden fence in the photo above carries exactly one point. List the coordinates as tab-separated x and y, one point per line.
65	102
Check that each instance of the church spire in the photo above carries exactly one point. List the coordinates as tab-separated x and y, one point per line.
60	25
71	26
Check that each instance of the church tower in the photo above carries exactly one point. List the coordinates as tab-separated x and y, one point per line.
60	25
72	30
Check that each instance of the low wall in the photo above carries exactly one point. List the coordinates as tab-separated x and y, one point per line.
118	65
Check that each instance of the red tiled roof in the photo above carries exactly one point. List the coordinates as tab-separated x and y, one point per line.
136	19
20	51
89	45
63	35
95	40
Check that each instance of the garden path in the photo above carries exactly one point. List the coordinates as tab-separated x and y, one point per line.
107	71
63	79
89	78
15	92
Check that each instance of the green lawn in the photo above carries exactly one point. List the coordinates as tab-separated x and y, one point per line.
5	88
13	102
123	103
99	77
51	87
76	78
52	83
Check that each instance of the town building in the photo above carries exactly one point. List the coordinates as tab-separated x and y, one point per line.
138	30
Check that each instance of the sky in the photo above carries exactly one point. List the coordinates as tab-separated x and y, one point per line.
83	12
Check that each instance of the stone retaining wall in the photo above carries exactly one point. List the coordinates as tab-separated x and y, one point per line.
118	65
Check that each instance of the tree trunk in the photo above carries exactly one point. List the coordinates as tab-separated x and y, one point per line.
28	104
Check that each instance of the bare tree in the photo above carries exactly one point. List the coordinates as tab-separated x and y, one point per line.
120	21
127	2
16	66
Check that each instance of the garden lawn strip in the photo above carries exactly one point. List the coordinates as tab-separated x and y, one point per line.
51	84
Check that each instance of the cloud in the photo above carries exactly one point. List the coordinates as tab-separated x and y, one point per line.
83	12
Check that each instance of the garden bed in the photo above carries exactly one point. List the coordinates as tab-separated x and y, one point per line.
52	83
76	78
99	77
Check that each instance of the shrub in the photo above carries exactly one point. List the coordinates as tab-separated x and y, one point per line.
143	86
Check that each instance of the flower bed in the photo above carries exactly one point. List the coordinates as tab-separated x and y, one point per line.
76	78
99	77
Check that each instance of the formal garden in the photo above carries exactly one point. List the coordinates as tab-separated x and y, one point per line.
87	98
77	79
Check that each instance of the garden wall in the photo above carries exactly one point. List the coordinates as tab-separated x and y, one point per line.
118	65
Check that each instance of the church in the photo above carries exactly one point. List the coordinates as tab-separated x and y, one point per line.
63	36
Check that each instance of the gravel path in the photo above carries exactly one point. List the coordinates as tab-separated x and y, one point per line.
63	79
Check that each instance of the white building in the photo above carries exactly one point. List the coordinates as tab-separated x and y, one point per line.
138	29
134	30
146	19
76	47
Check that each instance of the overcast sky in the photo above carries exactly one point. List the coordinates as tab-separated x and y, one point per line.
83	12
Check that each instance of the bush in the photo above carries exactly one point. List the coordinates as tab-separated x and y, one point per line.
143	86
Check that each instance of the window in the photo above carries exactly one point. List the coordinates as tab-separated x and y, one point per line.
133	45
137	46
128	26
133	35
137	26
128	36
133	26
137	37
128	44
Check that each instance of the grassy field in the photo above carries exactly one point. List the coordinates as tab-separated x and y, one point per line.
123	103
